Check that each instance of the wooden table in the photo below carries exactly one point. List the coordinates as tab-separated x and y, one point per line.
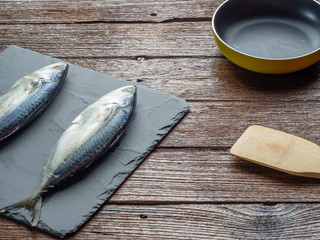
190	187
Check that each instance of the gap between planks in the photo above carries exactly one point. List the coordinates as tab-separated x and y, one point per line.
163	203
172	20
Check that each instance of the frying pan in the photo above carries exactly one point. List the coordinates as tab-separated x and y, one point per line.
269	36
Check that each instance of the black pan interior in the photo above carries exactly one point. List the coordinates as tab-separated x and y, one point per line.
273	29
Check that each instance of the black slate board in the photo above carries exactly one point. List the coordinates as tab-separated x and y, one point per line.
23	155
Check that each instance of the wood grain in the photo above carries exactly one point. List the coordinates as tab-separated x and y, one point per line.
169	67
190	221
208	79
220	123
190	187
278	150
109	11
113	40
211	176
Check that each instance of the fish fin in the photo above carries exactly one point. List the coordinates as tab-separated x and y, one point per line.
36	211
32	203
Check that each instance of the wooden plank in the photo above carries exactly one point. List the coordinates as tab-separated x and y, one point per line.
207	221
207	79
181	59
204	175
113	40
110	11
210	176
221	123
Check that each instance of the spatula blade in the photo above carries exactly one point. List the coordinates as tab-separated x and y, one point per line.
278	150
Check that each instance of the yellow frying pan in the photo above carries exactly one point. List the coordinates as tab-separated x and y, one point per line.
269	36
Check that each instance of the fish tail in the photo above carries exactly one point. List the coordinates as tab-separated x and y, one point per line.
32	203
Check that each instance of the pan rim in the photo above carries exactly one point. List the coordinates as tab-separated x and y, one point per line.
253	56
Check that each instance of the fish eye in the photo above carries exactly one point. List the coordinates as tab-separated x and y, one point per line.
127	90
58	67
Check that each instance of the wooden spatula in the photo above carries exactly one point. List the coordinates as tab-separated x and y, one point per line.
279	150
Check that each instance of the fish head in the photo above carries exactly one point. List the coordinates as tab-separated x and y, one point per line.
123	97
52	73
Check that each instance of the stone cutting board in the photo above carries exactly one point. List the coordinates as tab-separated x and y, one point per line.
24	154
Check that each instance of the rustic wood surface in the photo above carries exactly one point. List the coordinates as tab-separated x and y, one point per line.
190	187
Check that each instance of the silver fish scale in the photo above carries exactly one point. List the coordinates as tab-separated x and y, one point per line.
94	131
28	109
96	146
21	104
